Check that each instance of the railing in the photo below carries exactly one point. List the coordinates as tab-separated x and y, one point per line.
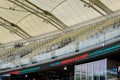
9	54
102	37
77	33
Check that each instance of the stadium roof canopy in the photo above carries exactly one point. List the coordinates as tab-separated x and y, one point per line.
22	19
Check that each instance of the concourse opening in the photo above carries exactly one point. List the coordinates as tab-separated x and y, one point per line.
99	64
107	68
58	73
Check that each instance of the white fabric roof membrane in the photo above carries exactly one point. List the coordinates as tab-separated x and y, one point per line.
70	12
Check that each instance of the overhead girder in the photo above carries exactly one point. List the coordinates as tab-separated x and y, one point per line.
90	5
45	15
58	5
99	4
14	28
102	6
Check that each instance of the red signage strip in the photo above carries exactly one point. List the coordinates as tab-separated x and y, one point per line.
15	72
74	59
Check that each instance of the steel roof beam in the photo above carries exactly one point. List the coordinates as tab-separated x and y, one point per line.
45	15
92	7
14	28
48	14
102	6
7	27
